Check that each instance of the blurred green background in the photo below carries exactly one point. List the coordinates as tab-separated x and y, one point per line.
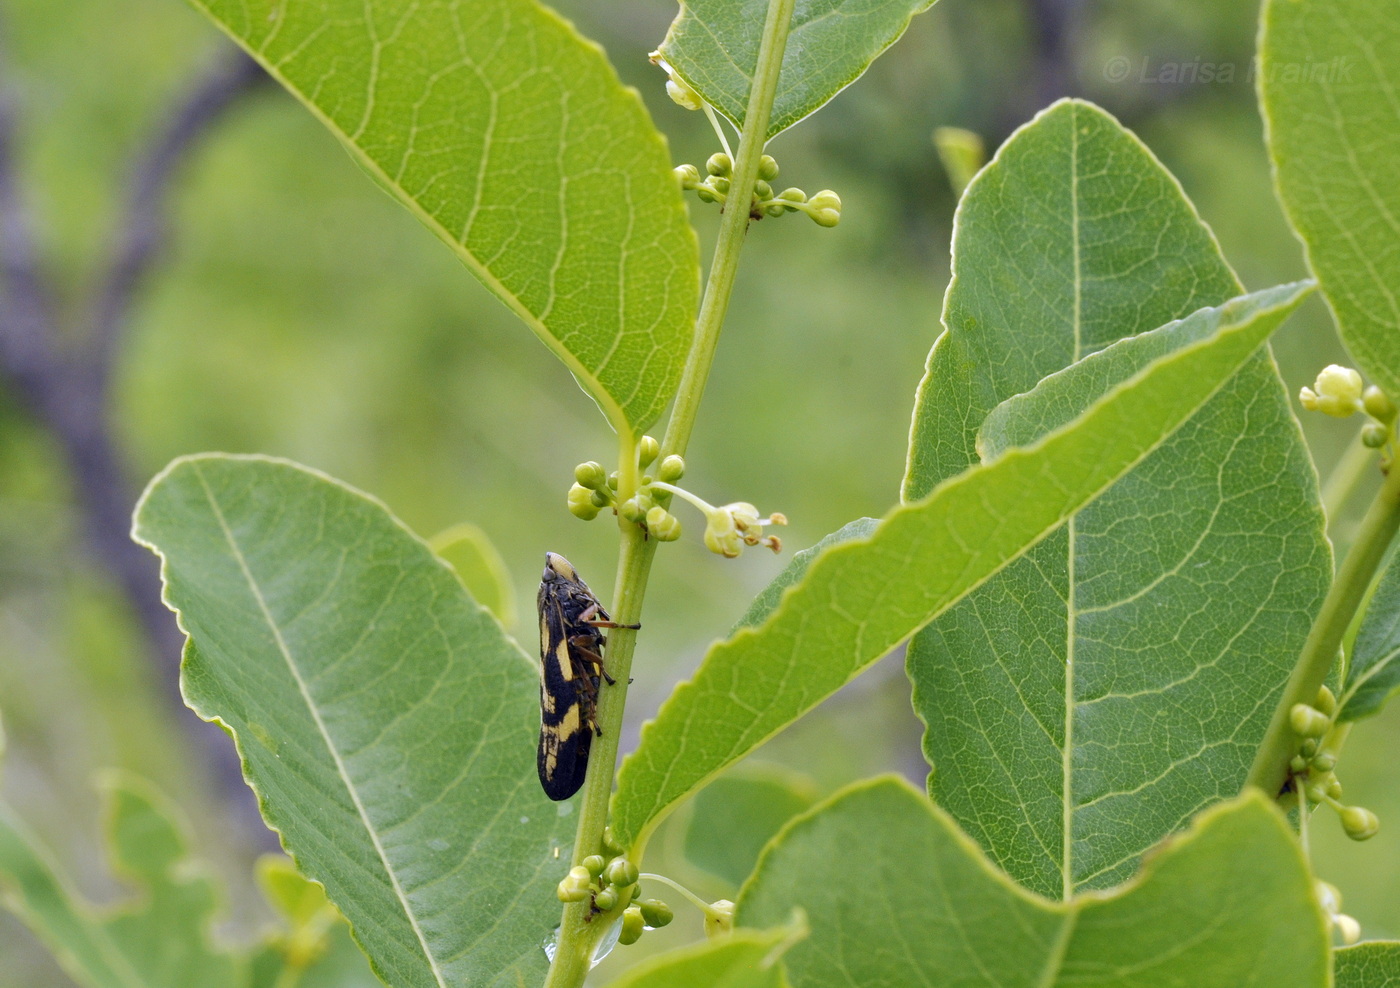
298	311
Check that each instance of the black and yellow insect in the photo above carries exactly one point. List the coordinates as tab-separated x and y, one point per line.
571	665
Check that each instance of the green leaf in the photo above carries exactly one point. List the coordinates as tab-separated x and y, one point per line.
474	558
1367	965
1373	674
861	598
385	720
734	816
315	950
1102	689
767	600
511	138
158	940
1229	903
743	959
1329	82
713	46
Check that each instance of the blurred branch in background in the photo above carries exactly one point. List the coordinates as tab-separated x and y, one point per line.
62	375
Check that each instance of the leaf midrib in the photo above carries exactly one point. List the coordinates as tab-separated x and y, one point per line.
331	749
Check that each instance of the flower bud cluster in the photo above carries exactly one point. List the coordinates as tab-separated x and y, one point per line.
727	528
606	884
824	208
1340	392
1313	768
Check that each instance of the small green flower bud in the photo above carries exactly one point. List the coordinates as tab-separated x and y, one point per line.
1327	896
1360	823
825	199
581	503
719	164
1308	747
767	168
1378	404
571	893
591	475
601	499
720	185
620	871
1308	721
1317	788
605	899
826	217
1298	765
594	863
632	926
672	469
705	194
610	844
1374	435
612	480
635	509
1347	928
763	190
688	176
1324	761
1334	788
1326	701
719	918
656	913
647	451
663	526
775	210
574	886
793	195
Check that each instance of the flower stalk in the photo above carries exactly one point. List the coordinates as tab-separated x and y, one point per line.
580	930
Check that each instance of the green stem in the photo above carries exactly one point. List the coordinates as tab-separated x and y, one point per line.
1320	650
579	929
733	227
1354	466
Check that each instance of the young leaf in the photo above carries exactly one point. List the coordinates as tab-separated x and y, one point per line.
1373	674
1102	689
1329	84
511	138
314	950
742	959
480	567
1367	965
1229	903
733	817
160	940
861	598
385	719
713	46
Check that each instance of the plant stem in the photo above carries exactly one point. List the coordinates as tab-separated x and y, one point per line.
1353	467
579	929
733	227
1320	650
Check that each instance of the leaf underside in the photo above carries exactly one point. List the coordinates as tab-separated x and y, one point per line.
510	137
1228	903
385	720
1329	84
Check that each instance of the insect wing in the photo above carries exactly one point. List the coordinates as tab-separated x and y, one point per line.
566	703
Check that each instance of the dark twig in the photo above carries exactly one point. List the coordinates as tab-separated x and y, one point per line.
67	388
